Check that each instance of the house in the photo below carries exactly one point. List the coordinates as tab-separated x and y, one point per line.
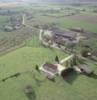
8	28
77	29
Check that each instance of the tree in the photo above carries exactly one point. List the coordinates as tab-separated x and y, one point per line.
74	60
37	68
86	52
57	59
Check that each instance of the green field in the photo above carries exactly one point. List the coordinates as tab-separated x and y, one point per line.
79	87
63	22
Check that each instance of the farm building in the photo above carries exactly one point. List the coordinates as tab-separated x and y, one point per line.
85	69
77	29
65	66
66	34
62	38
52	70
57	38
49	69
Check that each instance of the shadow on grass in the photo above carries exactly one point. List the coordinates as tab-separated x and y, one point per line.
30	93
31	96
38	79
16	75
69	75
94	76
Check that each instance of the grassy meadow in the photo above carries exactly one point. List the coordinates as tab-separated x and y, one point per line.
24	60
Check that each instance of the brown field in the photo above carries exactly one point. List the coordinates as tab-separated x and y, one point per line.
84	17
9	5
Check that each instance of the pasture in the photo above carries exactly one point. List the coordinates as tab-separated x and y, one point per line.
23	60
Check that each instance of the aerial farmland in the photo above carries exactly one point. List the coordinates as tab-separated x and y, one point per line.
48	50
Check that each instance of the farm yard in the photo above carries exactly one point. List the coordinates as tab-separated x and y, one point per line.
21	51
